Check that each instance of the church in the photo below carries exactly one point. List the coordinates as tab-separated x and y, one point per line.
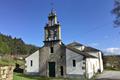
55	59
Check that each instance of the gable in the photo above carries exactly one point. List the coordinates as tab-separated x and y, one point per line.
33	54
71	53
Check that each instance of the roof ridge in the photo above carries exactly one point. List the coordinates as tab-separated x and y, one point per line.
74	43
80	52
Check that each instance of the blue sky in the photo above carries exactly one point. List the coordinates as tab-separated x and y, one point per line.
86	21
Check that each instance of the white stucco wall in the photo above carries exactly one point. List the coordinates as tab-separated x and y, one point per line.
99	56
70	56
92	66
35	63
100	62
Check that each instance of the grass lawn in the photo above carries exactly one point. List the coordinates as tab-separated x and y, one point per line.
19	76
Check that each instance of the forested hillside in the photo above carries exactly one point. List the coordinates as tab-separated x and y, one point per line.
10	45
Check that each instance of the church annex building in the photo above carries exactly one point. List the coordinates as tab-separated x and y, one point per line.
55	59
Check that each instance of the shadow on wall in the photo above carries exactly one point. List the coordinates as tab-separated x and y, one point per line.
18	69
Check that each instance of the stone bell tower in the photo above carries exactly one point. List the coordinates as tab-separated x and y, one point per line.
52	30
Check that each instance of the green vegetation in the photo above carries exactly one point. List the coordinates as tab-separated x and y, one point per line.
19	76
9	45
7	62
112	62
11	61
112	68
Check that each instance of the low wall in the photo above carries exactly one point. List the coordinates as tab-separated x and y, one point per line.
6	72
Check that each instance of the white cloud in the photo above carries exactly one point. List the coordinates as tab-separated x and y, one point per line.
112	51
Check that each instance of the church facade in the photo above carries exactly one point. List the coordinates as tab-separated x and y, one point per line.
55	59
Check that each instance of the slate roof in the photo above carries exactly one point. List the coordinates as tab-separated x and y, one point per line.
87	49
90	49
79	52
75	44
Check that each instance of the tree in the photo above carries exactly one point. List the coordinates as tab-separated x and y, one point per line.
116	12
17	46
4	48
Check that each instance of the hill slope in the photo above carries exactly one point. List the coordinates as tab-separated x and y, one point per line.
9	45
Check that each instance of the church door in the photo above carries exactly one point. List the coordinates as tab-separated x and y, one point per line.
51	69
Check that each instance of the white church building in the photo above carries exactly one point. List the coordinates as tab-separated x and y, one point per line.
55	59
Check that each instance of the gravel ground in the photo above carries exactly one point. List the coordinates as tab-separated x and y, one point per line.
109	75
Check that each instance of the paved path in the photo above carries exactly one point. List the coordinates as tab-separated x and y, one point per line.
109	75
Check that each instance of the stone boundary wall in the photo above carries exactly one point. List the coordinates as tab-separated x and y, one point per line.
6	72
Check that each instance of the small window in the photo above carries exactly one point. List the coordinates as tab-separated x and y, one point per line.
74	63
31	63
51	50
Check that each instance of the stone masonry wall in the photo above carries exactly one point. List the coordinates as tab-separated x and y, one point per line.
6	72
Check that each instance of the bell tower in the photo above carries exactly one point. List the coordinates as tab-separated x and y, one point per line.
52	29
